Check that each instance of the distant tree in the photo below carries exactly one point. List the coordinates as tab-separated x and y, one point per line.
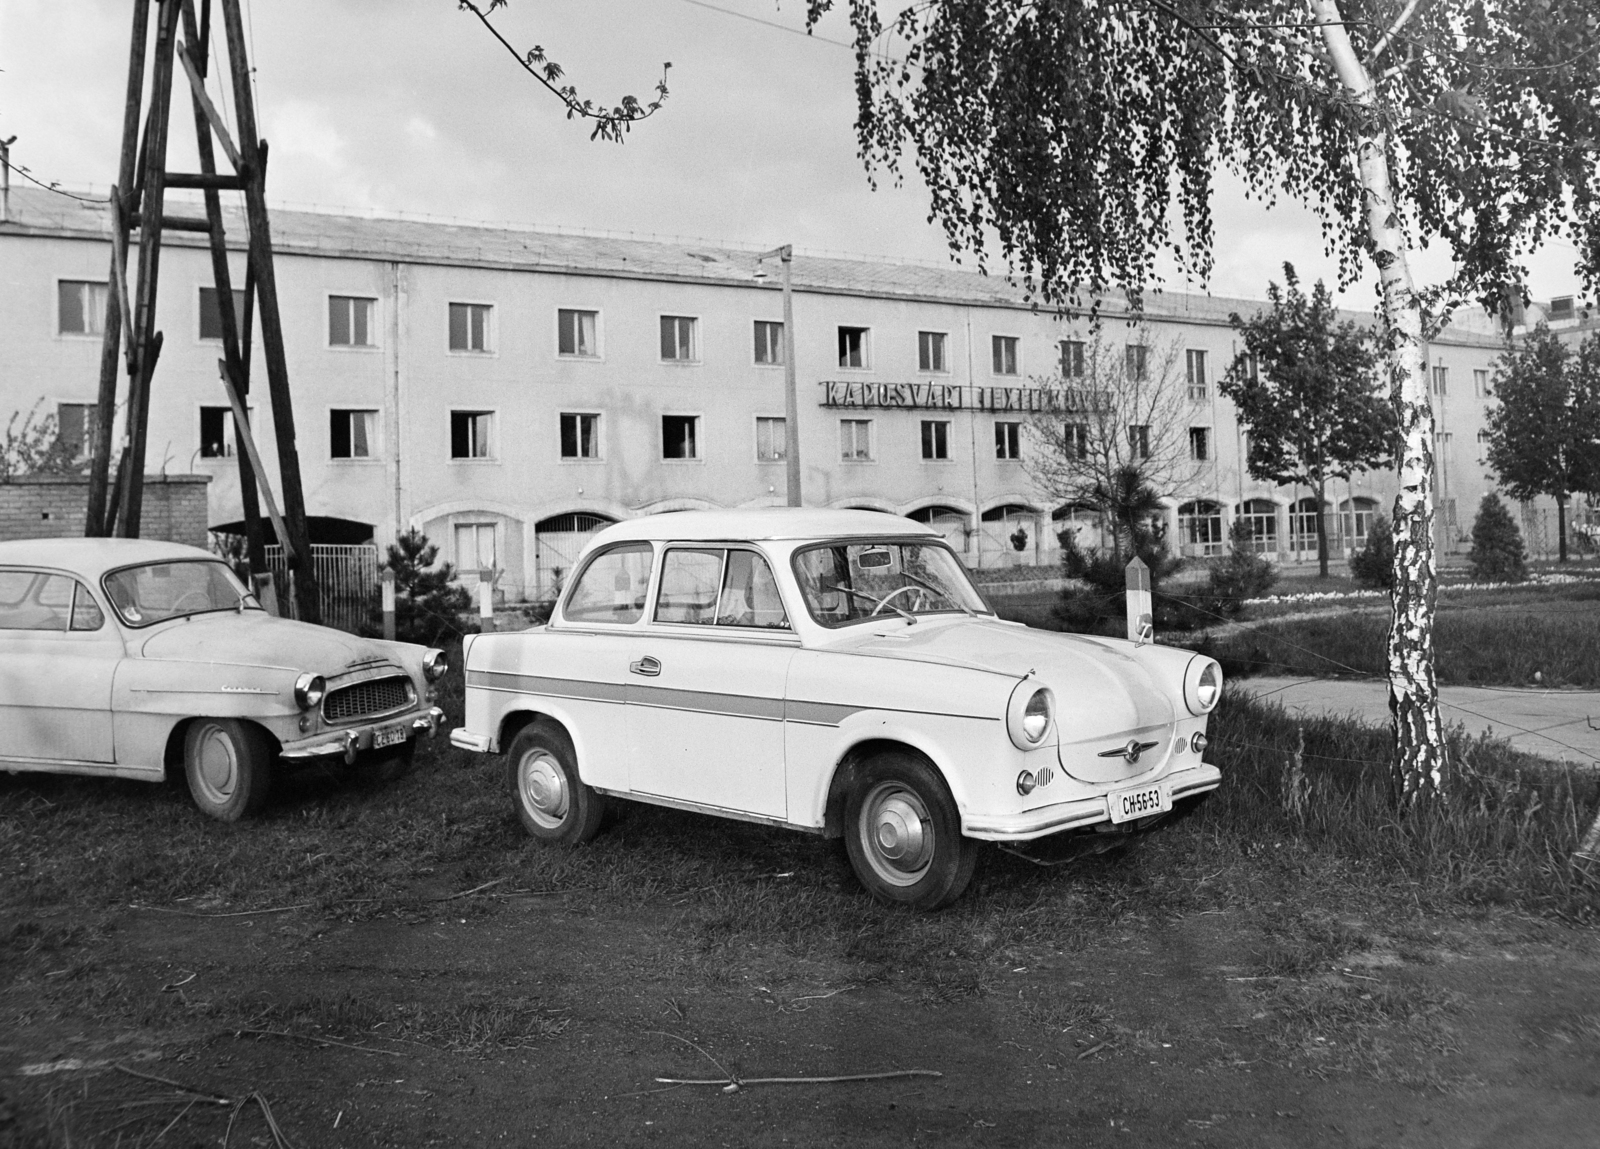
1098	603
427	602
1084	141
32	445
1127	444
1306	387
1373	564
1544	423
1240	574
1497	554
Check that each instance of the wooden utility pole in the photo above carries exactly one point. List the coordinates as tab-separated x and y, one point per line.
140	193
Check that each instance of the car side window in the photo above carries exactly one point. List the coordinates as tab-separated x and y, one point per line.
719	587
33	600
612	586
86	613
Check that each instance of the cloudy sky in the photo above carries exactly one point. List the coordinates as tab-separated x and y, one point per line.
410	106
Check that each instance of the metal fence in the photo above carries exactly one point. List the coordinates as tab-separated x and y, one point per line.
347	579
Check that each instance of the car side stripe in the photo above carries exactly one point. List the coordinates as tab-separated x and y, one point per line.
555	687
705	702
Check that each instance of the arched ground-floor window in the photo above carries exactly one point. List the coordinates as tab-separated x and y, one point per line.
951	522
557	541
1303	529
1200	533
1355	517
1000	527
1261	517
1081	521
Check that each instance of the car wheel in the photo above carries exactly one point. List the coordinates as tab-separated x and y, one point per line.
389	765
552	801
229	767
903	834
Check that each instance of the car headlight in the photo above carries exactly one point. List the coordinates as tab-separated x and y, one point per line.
308	690
1202	685
434	664
1031	714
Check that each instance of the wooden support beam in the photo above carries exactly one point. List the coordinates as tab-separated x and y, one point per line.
204	182
185	223
198	86
248	442
119	278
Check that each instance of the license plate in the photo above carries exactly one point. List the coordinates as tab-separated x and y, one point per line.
389	736
1127	805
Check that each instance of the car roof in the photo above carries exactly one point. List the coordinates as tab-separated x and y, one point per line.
93	557
763	523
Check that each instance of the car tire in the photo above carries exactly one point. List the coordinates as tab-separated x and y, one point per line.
389	765
552	801
903	834
229	767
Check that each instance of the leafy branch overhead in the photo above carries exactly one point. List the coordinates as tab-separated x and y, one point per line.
1084	135
609	125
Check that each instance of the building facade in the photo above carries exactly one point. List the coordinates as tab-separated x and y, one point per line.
510	391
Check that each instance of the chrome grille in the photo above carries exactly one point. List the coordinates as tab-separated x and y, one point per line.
364	699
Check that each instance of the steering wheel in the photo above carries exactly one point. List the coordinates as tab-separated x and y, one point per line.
921	603
201	601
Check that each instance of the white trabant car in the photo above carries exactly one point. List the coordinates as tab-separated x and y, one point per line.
834	672
123	657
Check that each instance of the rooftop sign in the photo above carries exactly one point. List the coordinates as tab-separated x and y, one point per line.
1042	394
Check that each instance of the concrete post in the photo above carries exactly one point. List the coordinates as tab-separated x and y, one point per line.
387	579
486	600
1141	617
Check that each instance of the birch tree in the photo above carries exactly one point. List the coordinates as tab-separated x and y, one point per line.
1079	139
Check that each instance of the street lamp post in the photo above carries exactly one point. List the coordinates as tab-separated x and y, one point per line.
791	399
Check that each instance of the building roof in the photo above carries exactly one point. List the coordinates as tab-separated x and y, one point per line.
764	523
524	248
92	558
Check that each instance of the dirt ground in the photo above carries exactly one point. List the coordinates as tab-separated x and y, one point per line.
1157	1033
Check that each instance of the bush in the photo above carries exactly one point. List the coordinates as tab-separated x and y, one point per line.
1242	574
1497	554
427	603
1101	607
1373	564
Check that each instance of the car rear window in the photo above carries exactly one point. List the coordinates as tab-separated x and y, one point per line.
612	587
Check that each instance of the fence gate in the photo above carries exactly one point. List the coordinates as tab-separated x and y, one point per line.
347	578
557	542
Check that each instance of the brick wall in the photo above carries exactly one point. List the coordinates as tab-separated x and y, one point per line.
47	506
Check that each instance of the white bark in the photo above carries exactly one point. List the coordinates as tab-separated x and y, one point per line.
1413	692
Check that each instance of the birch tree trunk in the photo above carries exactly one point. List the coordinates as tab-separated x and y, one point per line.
1419	764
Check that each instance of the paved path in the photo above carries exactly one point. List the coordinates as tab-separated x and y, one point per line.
1558	724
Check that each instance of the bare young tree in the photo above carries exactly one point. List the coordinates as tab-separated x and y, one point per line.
1125	427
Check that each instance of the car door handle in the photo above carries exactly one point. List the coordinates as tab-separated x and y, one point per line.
648	666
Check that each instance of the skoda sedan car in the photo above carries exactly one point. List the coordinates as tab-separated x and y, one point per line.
833	672
124	658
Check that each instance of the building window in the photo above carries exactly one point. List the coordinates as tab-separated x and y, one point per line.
1072	359
1441	381
470	327
931	351
1136	361
1200	529
1484	438
1252	367
935	439
1075	440
678	342
75	427
575	333
475	547
772	439
1198	389
211	314
1139	440
1007	440
1200	444
216	433
81	307
349	321
680	436
1481	387
1004	349
352	434
855	440
580	436
1260	517
470	434
853	347
769	342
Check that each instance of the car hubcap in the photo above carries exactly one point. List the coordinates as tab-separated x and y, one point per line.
544	788
897	833
219	769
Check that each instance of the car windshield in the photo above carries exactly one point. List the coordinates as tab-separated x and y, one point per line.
156	591
845	582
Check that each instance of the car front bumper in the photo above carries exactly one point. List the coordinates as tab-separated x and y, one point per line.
346	744
1055	818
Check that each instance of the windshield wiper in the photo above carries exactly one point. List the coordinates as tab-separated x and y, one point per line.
878	602
944	594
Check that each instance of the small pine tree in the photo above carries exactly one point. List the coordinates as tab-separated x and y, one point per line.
1497	554
1373	564
1242	574
1101	607
427	603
